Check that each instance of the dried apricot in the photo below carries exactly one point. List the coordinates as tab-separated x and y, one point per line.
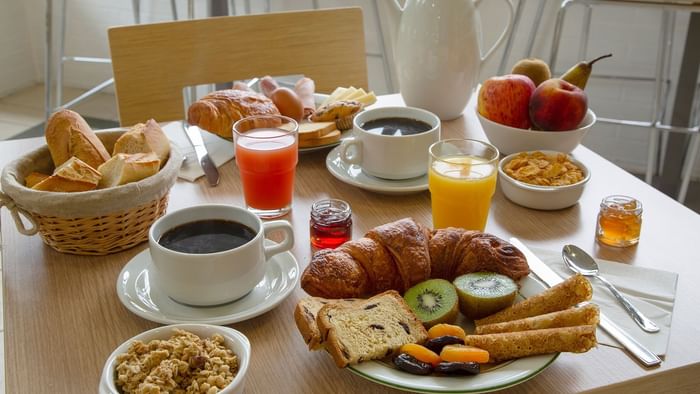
440	330
421	353
461	353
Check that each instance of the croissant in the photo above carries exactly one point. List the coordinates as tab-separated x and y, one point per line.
398	255
218	111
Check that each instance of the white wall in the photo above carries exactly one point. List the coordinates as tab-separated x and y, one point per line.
630	33
18	66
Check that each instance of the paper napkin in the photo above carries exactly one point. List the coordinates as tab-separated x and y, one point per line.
652	291
220	150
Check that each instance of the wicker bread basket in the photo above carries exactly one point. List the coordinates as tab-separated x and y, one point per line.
95	222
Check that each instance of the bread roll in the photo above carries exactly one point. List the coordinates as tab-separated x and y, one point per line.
218	111
124	168
144	138
72	176
68	135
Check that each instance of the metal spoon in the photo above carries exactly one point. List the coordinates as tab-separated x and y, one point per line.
579	261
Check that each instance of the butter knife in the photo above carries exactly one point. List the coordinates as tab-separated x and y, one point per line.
194	134
551	278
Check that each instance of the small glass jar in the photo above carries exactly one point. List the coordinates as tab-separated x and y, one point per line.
331	223
619	221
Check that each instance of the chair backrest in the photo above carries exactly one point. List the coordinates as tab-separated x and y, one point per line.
152	63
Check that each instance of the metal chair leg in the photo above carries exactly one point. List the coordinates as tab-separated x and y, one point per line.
585	33
511	37
173	9
557	33
688	166
533	28
657	105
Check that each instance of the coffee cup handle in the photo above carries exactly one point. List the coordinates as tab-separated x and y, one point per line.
357	157
286	244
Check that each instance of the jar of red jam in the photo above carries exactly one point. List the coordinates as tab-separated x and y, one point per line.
331	223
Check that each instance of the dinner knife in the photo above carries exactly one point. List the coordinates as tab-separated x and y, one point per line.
551	278
195	136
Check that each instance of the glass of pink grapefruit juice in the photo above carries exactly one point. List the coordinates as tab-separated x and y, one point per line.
267	154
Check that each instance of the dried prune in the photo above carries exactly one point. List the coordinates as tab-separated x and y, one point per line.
436	344
458	368
410	364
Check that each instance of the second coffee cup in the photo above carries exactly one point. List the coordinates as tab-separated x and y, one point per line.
392	142
212	254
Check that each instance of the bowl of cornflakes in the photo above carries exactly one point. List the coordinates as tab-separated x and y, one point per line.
512	139
545	180
192	358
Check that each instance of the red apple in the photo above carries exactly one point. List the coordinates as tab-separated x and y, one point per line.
506	100
558	105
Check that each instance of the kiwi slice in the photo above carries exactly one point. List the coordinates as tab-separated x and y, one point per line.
484	293
433	301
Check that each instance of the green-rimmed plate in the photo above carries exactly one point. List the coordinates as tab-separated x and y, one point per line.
492	378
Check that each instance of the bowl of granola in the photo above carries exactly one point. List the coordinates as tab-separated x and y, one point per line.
544	180
192	358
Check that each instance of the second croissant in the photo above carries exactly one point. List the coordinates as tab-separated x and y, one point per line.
400	254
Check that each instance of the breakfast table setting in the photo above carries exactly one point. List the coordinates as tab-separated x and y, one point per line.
454	237
63	317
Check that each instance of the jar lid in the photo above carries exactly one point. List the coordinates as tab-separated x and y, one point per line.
330	211
620	203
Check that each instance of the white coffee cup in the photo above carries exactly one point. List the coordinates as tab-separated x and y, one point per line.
214	278
391	156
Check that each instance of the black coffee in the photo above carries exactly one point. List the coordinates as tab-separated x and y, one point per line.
206	236
396	126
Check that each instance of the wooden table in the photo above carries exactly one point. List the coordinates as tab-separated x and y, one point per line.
63	318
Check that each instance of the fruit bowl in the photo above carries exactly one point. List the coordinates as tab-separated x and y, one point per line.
546	198
511	139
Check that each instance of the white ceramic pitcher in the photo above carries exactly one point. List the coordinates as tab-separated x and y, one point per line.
437	53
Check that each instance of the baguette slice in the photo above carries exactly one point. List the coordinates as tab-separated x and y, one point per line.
333	136
124	168
370	329
309	131
305	315
144	138
68	135
33	178
72	176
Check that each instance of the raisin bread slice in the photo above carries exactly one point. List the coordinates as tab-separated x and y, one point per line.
305	317
370	329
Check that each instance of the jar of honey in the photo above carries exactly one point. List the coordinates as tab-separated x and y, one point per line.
619	221
331	223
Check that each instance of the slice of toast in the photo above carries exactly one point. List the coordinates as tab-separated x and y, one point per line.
333	136
305	317
371	329
313	130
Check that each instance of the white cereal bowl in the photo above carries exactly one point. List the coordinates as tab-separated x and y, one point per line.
511	139
233	340
546	198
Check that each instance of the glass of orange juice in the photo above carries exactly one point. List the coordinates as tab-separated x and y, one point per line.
462	180
267	154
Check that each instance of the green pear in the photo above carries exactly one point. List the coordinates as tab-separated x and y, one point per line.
535	69
579	73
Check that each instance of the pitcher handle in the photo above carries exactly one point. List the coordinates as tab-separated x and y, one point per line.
511	12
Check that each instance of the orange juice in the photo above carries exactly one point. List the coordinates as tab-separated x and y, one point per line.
461	188
267	159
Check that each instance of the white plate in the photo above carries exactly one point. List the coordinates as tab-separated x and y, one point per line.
498	377
141	296
352	175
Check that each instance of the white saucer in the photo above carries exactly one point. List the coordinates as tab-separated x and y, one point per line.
352	175
141	296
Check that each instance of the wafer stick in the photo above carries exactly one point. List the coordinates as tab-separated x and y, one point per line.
583	316
566	294
510	345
